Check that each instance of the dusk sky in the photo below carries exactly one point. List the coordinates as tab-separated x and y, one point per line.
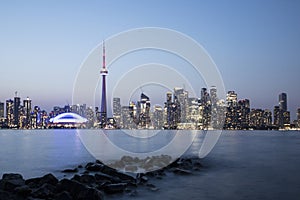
255	44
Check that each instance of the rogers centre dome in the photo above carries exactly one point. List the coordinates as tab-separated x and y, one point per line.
67	120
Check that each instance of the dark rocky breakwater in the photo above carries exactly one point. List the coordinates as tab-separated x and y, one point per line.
95	180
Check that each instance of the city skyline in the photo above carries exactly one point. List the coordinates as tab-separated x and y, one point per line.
254	44
179	111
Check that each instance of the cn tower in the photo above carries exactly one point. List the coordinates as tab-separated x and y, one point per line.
103	72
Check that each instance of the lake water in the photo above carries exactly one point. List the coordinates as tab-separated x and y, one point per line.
243	164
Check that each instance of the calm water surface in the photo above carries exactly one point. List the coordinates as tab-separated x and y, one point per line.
243	164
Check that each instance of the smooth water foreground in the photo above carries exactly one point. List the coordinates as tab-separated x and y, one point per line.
243	164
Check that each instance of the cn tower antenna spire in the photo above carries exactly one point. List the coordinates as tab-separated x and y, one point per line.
103	54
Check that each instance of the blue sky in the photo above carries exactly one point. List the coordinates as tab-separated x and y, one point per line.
255	44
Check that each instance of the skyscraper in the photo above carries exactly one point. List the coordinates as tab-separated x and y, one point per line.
181	97
172	112
284	114
298	117
1	110
213	94
158	117
231	119
103	109
27	109
17	103
277	119
144	114
2	119
243	113
117	111
283	101
10	112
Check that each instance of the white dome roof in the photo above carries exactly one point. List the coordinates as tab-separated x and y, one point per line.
68	118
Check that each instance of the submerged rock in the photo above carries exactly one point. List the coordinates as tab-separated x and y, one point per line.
70	170
182	171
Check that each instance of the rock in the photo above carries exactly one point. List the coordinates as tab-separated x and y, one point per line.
23	190
114	188
94	167
63	196
136	160
131	168
133	193
144	179
36	182
76	177
182	171
33	182
114	173
70	170
4	195
71	186
50	179
86	172
152	187
86	179
45	191
100	177
79	166
127	159
10	181
174	164
90	194
99	162
118	165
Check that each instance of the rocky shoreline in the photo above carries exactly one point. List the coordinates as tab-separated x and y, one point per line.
96	180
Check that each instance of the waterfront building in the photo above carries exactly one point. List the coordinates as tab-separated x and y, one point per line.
157	117
117	111
193	111
282	115
27	112
267	117
143	111
283	101
127	117
286	119
298	118
181	98
214	107
231	119
277	117
1	110
10	113
205	109
243	114
90	116
16	110
172	112
75	109
2	118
